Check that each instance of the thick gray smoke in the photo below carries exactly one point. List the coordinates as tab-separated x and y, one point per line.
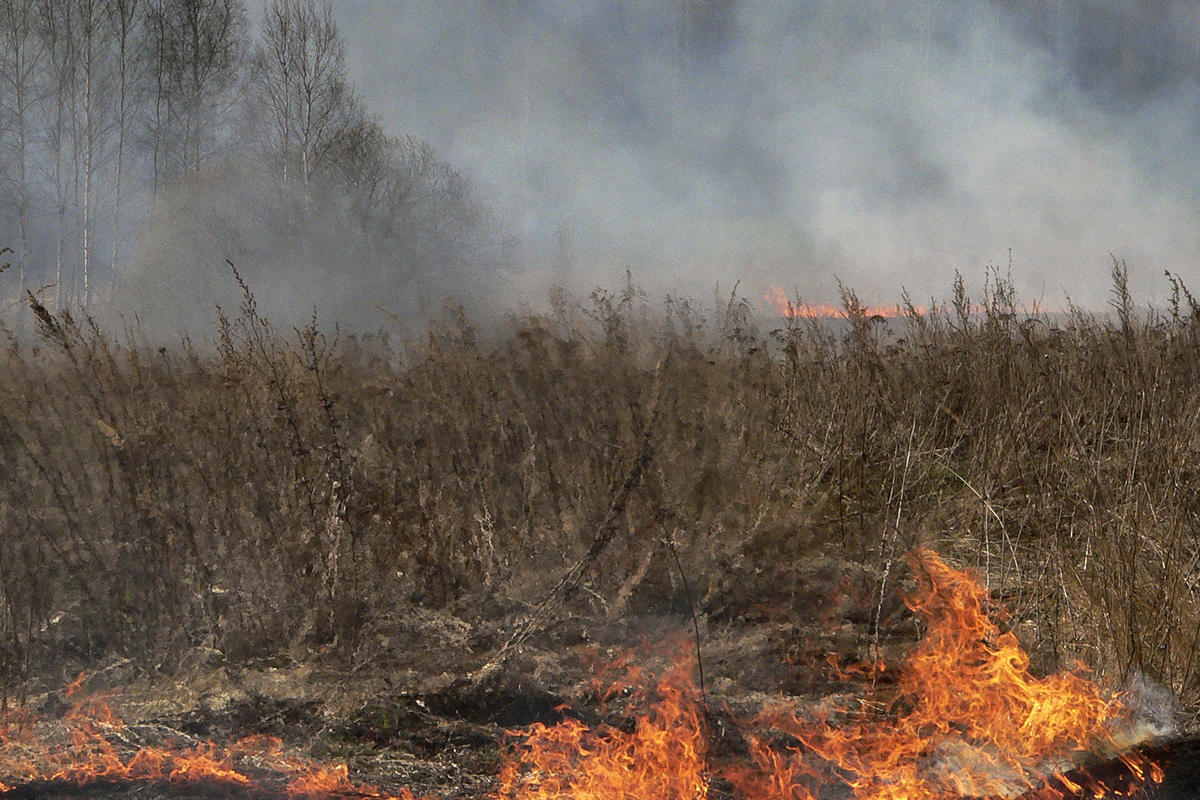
776	142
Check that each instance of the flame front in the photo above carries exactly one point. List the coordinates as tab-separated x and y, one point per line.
27	756
960	717
661	759
965	719
778	302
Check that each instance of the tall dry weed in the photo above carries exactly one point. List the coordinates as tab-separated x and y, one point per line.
280	491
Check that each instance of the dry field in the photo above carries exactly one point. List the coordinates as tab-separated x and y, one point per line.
349	540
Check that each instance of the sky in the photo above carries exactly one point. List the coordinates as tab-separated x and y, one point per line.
703	143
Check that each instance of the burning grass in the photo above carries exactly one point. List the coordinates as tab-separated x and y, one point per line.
662	755
86	747
963	718
966	718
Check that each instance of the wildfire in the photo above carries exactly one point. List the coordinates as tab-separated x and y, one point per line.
966	720
662	757
29	756
778	302
961	717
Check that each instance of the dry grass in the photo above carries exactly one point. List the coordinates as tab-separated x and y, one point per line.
280	492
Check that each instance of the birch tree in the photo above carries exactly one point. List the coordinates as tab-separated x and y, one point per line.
84	81
197	48
91	58
122	19
300	84
58	124
21	62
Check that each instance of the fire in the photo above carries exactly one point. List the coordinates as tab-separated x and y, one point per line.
965	719
778	302
961	716
29	756
662	758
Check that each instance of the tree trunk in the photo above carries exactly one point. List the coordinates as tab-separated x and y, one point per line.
86	254
126	10
89	148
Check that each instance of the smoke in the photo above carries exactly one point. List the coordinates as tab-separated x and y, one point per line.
886	144
1154	708
310	250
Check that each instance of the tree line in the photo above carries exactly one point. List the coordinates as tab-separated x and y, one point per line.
122	120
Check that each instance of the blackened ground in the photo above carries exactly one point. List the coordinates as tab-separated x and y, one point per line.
1179	761
133	790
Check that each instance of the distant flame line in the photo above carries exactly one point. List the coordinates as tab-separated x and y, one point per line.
777	301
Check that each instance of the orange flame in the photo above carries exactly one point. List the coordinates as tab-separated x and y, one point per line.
966	719
662	758
778	302
962	717
28	756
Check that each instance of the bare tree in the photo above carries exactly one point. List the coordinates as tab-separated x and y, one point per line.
122	17
58	125
411	209
81	77
90	130
300	82
21	58
197	48
154	46
364	167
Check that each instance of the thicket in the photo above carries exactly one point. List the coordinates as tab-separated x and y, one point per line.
277	490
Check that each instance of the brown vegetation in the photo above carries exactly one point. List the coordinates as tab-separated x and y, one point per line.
282	492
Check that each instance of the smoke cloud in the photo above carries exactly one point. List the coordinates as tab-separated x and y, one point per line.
886	144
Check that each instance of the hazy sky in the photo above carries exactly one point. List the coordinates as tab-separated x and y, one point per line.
885	143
